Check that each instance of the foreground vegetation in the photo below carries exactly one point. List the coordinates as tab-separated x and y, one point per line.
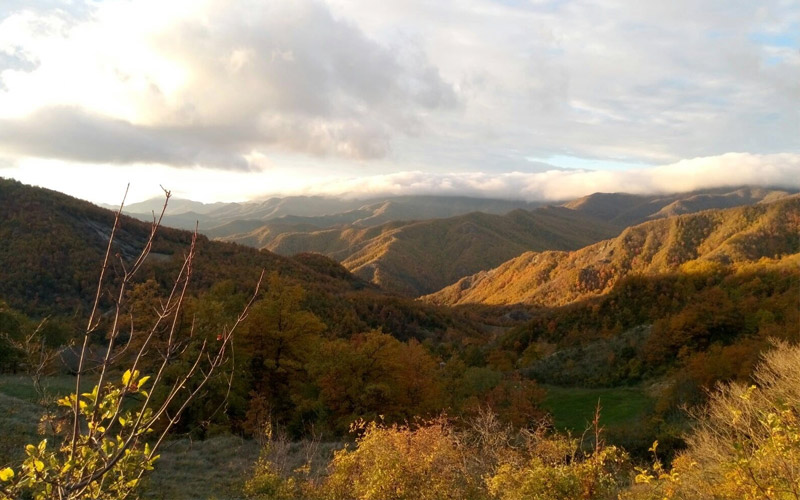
745	444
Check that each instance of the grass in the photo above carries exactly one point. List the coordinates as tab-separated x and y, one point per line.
210	469
18	426
21	386
573	408
20	418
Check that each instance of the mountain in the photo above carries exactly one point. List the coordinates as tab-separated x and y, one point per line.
319	211
225	219
423	256
52	247
176	206
708	238
623	210
415	258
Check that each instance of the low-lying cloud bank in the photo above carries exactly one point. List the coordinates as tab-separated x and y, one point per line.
731	169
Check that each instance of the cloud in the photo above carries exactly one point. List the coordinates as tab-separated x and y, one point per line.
610	79
732	169
476	85
141	82
73	134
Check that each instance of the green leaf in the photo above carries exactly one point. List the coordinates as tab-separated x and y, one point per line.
6	474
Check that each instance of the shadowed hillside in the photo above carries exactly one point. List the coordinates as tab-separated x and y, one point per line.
51	248
420	257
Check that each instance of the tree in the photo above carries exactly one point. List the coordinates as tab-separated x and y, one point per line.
115	430
277	338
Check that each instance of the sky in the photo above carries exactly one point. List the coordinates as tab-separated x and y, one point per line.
222	100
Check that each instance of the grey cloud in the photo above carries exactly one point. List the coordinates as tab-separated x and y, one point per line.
608	79
282	75
648	81
310	82
72	134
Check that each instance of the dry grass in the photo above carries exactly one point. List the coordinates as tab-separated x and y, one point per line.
217	467
210	469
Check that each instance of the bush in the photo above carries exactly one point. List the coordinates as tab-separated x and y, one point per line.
746	443
399	462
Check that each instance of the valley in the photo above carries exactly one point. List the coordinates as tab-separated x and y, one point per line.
537	315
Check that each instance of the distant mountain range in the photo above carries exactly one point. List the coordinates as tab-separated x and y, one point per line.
226	219
770	229
417	245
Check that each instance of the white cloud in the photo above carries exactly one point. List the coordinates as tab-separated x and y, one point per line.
537	182
732	169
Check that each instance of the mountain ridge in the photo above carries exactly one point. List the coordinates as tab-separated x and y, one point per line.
710	237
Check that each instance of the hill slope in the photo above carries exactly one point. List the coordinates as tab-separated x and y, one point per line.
51	248
623	210
715	236
424	256
419	257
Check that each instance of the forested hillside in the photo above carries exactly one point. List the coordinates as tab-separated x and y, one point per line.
696	241
420	257
51	248
423	256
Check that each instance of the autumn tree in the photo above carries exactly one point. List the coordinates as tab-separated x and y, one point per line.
276	342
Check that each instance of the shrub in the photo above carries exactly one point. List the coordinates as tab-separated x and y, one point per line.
400	462
746	444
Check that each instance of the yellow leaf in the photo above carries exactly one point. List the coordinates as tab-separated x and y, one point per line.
126	377
122	421
39	465
6	474
143	380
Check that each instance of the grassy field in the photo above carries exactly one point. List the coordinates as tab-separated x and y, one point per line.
573	408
